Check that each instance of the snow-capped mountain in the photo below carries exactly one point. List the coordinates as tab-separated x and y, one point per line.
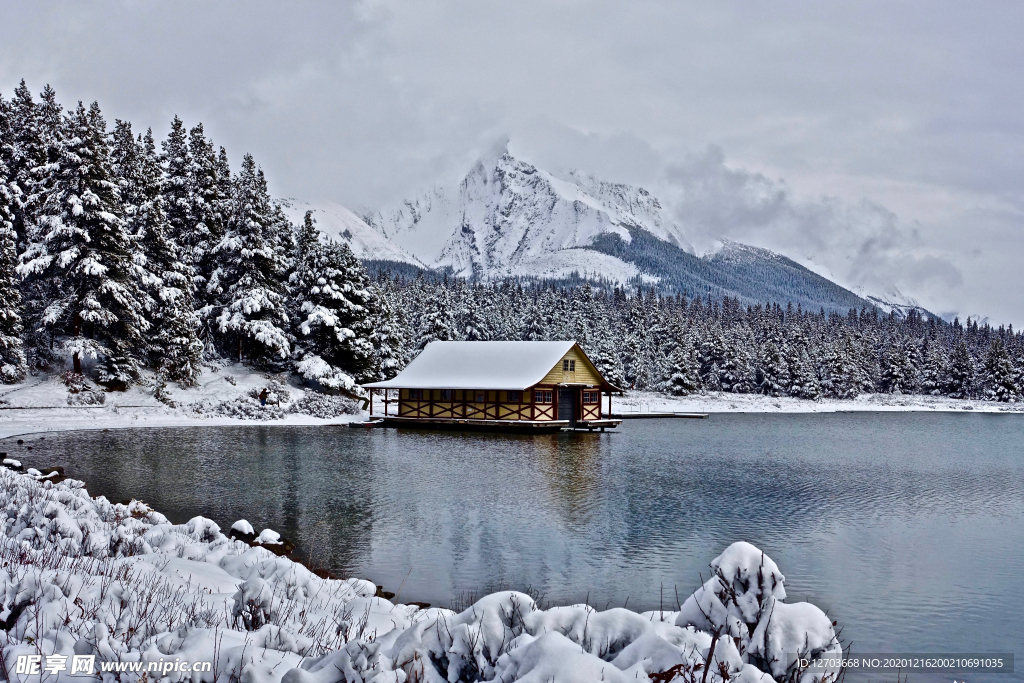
338	223
508	217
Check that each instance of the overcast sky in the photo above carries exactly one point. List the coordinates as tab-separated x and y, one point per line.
883	140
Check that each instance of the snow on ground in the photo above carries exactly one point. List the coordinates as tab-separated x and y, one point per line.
84	577
222	397
719	402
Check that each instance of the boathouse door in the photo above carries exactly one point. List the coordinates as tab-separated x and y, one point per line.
567	406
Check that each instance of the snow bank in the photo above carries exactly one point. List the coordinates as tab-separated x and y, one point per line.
83	576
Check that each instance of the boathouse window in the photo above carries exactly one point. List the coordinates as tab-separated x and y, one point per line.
591	397
415	394
542	397
481	397
513	397
568	365
446	394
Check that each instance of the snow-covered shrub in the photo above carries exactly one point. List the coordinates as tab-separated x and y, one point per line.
87	398
240	407
324	406
83	576
79	391
74	381
277	394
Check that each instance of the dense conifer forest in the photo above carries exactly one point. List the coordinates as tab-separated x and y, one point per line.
120	253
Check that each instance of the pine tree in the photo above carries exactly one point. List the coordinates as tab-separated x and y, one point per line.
205	205
12	353
843	376
803	378
535	327
1000	375
173	347
961	373
336	310
683	371
389	340
933	373
899	369
774	372
85	254
735	373
248	281
605	356
475	324
438	322
177	191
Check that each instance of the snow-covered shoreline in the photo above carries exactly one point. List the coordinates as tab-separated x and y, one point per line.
720	402
40	405
83	576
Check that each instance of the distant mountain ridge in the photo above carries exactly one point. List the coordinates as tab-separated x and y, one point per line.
508	218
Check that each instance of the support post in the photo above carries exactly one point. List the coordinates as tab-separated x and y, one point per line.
371	402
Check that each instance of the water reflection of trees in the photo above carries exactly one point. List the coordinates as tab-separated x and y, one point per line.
571	465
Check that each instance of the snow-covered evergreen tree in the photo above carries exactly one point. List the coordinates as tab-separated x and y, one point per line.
173	347
536	326
683	370
336	309
899	368
961	378
933	372
735	374
177	191
85	254
475	325
774	371
389	339
1000	374
438	321
12	352
844	378
248	281
206	205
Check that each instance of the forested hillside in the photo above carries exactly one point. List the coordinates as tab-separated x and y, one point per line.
129	253
749	274
678	345
126	260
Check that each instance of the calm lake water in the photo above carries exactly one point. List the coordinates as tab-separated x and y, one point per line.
907	528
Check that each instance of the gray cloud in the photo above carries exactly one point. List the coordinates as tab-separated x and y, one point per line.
905	114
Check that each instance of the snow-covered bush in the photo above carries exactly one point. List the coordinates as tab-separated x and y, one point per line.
240	407
277	394
324	406
74	381
83	576
79	391
87	398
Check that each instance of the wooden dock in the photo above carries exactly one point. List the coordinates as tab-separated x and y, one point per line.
650	416
508	426
469	424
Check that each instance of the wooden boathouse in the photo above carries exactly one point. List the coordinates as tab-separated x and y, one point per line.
500	385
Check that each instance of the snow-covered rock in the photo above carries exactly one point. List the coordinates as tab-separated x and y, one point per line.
268	536
83	576
243	526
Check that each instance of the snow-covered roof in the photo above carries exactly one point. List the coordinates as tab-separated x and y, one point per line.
514	365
